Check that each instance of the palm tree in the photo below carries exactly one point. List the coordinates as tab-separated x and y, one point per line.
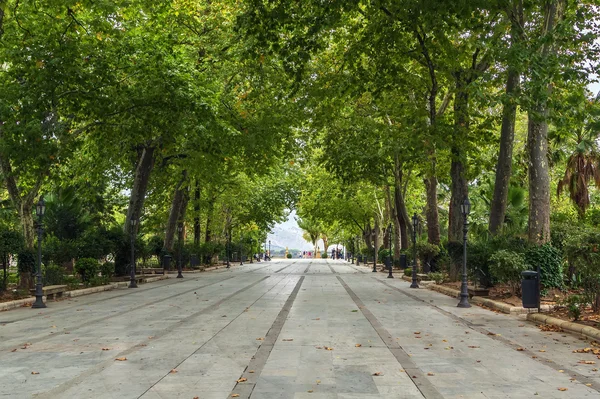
583	164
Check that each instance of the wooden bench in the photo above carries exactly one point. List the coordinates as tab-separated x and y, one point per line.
52	291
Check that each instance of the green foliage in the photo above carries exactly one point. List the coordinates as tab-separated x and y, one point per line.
155	245
583	253
324	255
72	282
26	261
506	267
574	303
438	277
96	281
289	256
550	261
87	268
408	271
427	252
107	269
53	274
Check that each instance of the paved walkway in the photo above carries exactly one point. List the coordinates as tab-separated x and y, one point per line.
285	329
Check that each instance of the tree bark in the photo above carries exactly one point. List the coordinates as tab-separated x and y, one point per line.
197	214
537	137
433	224
143	169
507	131
402	217
175	213
458	185
209	217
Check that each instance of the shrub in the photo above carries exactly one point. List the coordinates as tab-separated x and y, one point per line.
324	255
96	281
289	256
551	264
26	262
383	254
86	268
438	277
107	269
506	266
583	252
72	282
408	271
574	304
53	275
427	253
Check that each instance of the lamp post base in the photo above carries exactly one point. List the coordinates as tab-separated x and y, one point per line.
132	284
464	303
39	303
390	275
414	285
180	275
464	296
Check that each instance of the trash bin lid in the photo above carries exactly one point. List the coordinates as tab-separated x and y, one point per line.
529	273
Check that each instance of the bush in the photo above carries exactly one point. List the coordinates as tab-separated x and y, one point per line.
574	304
408	272
26	262
289	256
72	282
427	253
96	281
438	277
551	264
53	275
86	268
506	266
324	255
582	251
383	254
107	269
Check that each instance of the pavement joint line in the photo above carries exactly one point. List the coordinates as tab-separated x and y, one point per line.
415	374
43	338
214	335
331	268
101	366
284	267
490	334
259	360
307	267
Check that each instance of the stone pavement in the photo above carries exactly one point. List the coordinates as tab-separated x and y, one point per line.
285	329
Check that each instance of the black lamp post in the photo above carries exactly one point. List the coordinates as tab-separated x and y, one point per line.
269	249
357	250
374	239
242	252
179	263
132	282
251	250
227	249
40	209
465	209
415	221
388	258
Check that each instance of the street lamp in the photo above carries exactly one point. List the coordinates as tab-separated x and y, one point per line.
465	209
132	282
415	221
227	249
242	252
357	249
251	250
374	239
179	263
40	209
388	258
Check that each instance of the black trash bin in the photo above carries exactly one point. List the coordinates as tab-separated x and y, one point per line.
194	261
403	262
167	262
530	289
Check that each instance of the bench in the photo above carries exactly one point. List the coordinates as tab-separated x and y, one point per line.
52	291
153	270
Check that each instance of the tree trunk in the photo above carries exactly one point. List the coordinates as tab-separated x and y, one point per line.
143	170
403	220
175	213
209	216
539	178
504	164
507	131
537	136
458	185
197	214
433	223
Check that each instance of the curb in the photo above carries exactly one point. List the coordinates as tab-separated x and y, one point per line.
496	305
75	293
590	332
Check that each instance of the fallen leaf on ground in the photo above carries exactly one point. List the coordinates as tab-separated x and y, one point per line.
418	332
14	350
310	391
561	371
235	395
588	350
355	310
251	371
288	340
242	379
474	346
377	373
588	385
260	339
430	374
594	369
520	349
491	333
105	349
549	327
563	389
121	359
586	362
327	348
173	371
318	381
35	372
358	345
